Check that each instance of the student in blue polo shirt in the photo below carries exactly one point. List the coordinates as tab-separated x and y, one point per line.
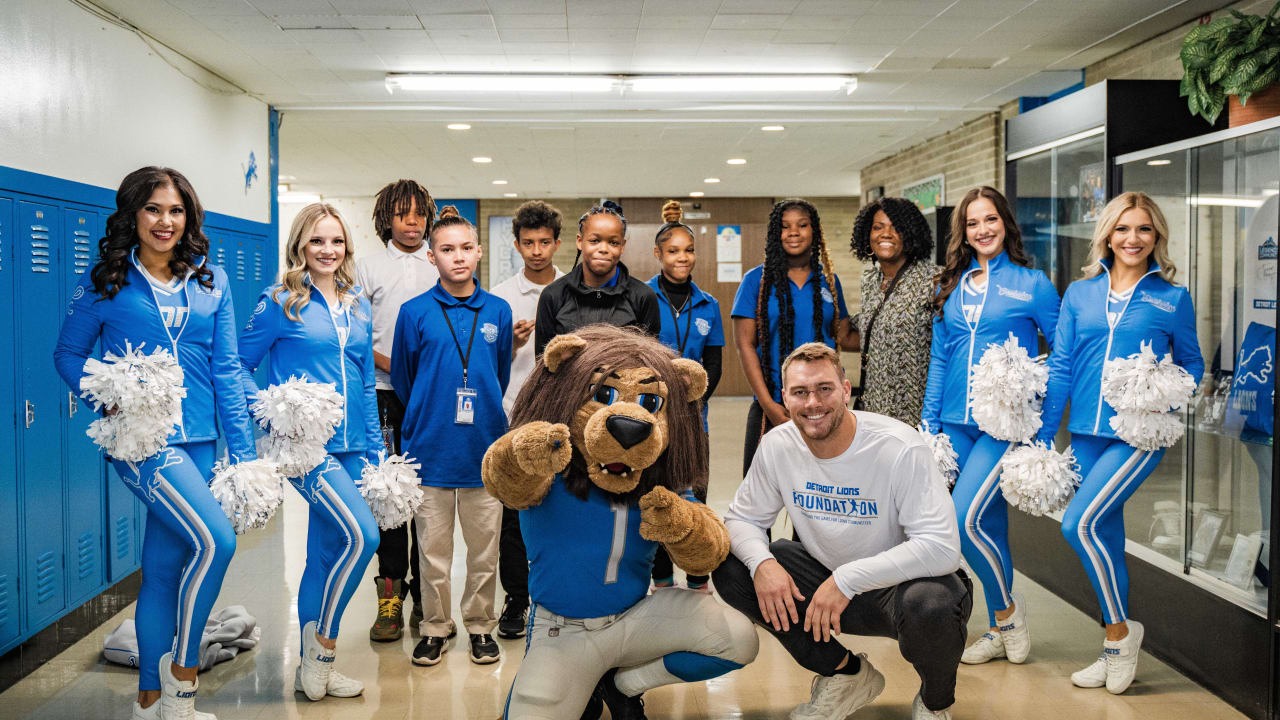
773	311
691	326
450	365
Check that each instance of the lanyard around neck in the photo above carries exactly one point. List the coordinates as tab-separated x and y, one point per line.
466	359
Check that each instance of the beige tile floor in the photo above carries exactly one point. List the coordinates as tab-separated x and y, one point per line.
79	685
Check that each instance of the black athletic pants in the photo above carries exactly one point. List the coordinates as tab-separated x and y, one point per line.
398	547
757	426
927	616
513	562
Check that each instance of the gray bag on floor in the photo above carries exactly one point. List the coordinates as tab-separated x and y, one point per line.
226	633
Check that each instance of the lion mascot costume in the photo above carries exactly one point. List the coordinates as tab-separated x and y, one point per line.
606	442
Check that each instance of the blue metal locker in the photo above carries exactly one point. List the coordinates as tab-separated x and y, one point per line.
83	464
40	398
10	549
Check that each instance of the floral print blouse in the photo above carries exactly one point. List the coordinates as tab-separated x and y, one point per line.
897	361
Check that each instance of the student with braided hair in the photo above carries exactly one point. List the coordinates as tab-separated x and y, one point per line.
691	326
599	289
794	297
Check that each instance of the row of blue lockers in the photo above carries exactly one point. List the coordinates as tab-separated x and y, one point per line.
68	526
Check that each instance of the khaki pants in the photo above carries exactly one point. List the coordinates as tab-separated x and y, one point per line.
480	515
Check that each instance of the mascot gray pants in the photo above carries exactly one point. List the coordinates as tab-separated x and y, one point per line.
671	636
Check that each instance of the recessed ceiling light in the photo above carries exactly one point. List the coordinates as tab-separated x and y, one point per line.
499	182
481	159
283	178
1159	162
458	126
510	194
711	180
282	188
773	128
696	193
737	161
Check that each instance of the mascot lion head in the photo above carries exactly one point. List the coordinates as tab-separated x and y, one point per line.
633	409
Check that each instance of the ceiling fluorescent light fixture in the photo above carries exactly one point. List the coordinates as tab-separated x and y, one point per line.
711	180
500	83
742	83
773	128
499	182
696	193
481	159
458	126
510	194
1157	163
1224	201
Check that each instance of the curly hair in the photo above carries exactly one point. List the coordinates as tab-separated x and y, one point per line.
396	199
536	214
111	273
556	398
959	254
774	280
908	222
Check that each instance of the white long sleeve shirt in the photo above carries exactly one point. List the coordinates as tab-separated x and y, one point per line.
877	515
522	295
390	279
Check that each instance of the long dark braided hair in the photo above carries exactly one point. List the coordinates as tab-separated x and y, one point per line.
112	271
608	207
774	279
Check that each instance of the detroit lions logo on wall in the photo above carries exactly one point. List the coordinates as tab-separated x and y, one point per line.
250	172
703	326
490	332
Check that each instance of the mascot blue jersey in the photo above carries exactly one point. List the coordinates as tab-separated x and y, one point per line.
586	557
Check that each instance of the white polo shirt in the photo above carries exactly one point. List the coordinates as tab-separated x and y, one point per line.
389	279
522	295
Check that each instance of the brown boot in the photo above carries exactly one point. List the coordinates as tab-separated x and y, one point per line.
389	625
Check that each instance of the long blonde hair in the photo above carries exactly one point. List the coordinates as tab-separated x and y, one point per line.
296	292
1110	217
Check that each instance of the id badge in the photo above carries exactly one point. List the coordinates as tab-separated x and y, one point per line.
466	412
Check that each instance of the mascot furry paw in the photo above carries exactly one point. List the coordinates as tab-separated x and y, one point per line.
606	442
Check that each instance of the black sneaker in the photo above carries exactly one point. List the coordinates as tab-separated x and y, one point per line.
429	650
484	649
621	707
515	616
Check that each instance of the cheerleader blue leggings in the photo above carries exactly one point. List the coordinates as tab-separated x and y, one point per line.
341	538
186	548
982	514
1093	523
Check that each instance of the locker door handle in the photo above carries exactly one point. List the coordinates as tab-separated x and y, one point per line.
71	404
31	413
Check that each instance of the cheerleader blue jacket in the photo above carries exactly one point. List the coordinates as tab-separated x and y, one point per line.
314	349
426	373
1017	300
1157	312
205	347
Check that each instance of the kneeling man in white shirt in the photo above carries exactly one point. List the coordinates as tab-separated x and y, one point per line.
877	549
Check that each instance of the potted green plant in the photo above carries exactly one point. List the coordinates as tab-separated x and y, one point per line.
1236	55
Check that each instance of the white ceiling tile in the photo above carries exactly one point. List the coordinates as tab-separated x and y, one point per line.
737	38
676	22
311	22
926	8
681	7
534	48
817	22
605	7
527	6
808	37
372	7
745	22
380	38
533	36
610	36
322	38
673	36
411	62
204	8
765	7
833	7
530	22
384	22
610	49
463	36
294	7
604	22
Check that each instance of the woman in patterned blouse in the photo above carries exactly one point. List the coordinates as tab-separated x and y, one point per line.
894	327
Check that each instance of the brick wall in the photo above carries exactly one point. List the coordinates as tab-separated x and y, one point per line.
968	156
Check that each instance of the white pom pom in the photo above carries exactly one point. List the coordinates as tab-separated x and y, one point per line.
145	390
392	489
300	417
249	492
1145	392
1148	430
944	455
1006	390
1037	480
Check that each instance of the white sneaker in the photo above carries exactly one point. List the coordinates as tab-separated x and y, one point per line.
985	649
313	674
177	697
339	685
1122	658
920	712
838	696
153	712
1094	676
1014	632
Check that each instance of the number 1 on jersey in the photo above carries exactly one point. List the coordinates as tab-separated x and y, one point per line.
619	541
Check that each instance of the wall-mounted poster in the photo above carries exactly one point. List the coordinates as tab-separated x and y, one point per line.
926	193
504	259
729	243
1093	191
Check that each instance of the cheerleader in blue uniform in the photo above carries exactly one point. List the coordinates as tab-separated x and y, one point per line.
153	288
316	325
987	291
1126	298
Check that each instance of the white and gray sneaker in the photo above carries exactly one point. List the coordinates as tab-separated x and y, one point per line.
838	696
312	677
920	712
153	712
1116	666
985	649
1014	632
177	697
339	685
